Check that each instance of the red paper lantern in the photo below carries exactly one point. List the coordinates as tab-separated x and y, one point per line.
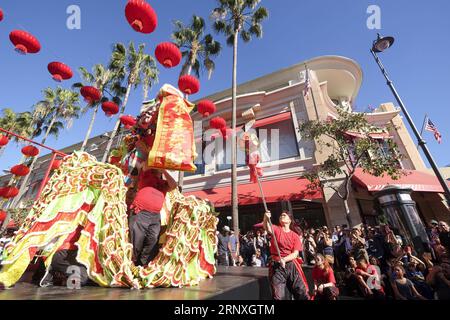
91	94
1	14
20	170
60	71
141	16
56	164
189	84
110	108
4	140
3	215
168	54
128	121
218	123
30	151
206	108
10	192
24	42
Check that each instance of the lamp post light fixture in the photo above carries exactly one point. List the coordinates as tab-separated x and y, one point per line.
380	45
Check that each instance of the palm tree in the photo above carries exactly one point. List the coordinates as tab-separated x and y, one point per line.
18	123
62	107
101	78
197	49
132	68
8	121
235	18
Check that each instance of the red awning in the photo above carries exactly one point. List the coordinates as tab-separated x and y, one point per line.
380	135
377	135
415	180
274	191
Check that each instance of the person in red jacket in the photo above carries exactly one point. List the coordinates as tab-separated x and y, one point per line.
145	219
285	271
324	280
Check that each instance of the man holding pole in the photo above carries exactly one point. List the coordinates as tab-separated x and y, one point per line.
285	269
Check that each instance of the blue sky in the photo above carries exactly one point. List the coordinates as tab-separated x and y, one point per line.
297	30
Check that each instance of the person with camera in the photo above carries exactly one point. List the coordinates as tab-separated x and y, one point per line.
285	271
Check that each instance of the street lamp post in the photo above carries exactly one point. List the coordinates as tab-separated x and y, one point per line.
380	45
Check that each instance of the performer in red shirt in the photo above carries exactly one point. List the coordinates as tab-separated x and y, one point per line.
324	280
287	271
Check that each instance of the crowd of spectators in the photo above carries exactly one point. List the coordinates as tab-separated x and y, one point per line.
366	262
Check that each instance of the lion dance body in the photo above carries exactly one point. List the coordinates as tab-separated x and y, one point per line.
87	195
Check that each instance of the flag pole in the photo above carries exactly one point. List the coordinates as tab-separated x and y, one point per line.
423	128
269	220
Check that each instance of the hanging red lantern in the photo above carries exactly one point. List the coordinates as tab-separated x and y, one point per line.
56	164
4	140
206	108
20	170
189	84
60	71
141	16
110	108
168	54
91	94
217	123
2	191
10	192
128	121
1	14
3	215
24	42
30	151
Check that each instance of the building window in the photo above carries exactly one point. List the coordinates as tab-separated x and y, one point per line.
278	141
223	155
201	165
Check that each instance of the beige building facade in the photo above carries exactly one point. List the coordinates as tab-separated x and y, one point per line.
334	83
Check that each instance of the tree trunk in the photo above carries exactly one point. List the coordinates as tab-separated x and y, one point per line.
234	191
91	126
347	213
116	128
181	173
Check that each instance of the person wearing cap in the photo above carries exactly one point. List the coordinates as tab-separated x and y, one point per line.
224	247
433	232
145	221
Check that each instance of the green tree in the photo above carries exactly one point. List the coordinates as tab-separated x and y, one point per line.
347	153
198	49
133	68
235	18
102	78
62	107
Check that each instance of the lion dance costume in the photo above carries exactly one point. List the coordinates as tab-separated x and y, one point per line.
84	194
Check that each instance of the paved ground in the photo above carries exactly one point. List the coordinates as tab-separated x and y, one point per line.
230	283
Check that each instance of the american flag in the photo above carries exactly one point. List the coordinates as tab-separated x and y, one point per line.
307	83
432	128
